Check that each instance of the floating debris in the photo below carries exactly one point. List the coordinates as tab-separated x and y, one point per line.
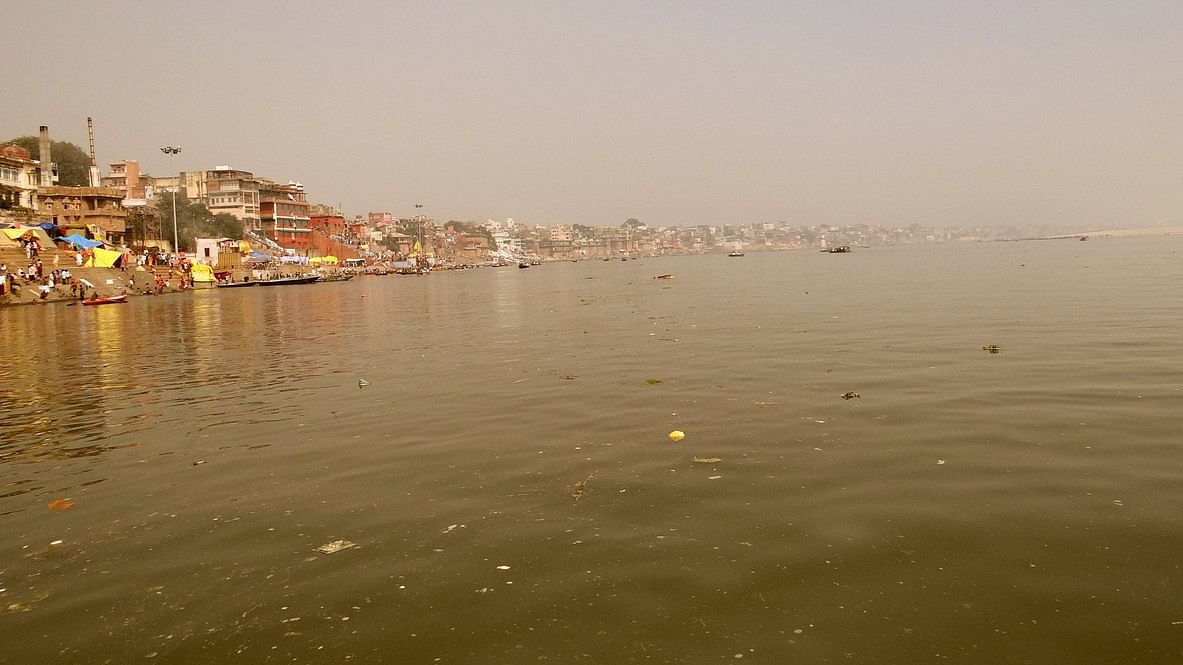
198	462
992	348
336	546
569	377
940	461
578	489
61	504
362	383
850	395
677	435
707	460
653	382
502	567
668	275
714	477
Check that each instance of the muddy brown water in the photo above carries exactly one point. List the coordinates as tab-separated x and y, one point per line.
512	496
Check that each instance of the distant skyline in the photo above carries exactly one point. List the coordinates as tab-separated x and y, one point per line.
1064	114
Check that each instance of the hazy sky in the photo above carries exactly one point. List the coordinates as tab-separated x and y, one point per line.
944	112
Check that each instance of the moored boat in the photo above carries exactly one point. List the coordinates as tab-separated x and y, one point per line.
232	285
734	253
106	300
335	278
284	281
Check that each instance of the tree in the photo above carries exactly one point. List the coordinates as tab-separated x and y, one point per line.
73	162
472	229
194	220
633	223
143	223
584	230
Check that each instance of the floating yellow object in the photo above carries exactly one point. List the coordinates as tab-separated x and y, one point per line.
677	435
362	383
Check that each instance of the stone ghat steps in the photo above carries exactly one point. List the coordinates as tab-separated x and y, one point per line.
15	258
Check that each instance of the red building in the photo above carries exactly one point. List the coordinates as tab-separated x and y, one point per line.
283	211
330	235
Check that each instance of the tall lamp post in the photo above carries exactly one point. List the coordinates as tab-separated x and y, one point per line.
172	152
419	260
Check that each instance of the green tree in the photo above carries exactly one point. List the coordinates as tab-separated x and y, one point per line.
194	220
143	223
472	229
632	223
584	230
73	162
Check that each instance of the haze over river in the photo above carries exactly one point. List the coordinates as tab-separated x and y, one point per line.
513	496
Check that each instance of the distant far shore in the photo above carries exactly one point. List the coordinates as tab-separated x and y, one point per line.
1116	233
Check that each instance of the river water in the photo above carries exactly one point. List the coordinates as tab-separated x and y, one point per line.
512	495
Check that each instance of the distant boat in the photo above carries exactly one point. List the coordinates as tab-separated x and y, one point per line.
284	281
523	264
734	253
336	278
107	300
840	249
233	285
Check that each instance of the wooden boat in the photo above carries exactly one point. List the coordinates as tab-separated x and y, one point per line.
336	278
840	249
284	281
233	285
106	300
524	264
734	253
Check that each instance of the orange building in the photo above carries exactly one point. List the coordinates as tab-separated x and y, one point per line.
283	213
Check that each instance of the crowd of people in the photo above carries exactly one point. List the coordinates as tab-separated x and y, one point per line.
34	275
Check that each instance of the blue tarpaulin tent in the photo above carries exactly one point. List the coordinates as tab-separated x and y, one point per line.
78	241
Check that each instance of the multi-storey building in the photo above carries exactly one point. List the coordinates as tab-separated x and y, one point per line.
98	210
18	178
230	191
125	176
283	214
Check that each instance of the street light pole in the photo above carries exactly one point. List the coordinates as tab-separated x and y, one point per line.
172	151
419	260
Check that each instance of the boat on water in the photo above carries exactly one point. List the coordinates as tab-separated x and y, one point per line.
106	300
234	285
335	278
840	249
285	281
734	253
524	264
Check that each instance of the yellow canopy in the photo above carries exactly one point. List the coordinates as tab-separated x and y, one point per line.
105	258
244	247
316	260
34	232
330	260
202	273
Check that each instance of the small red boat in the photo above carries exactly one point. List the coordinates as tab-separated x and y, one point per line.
107	300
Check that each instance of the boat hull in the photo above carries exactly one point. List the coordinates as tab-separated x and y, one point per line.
110	300
288	281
